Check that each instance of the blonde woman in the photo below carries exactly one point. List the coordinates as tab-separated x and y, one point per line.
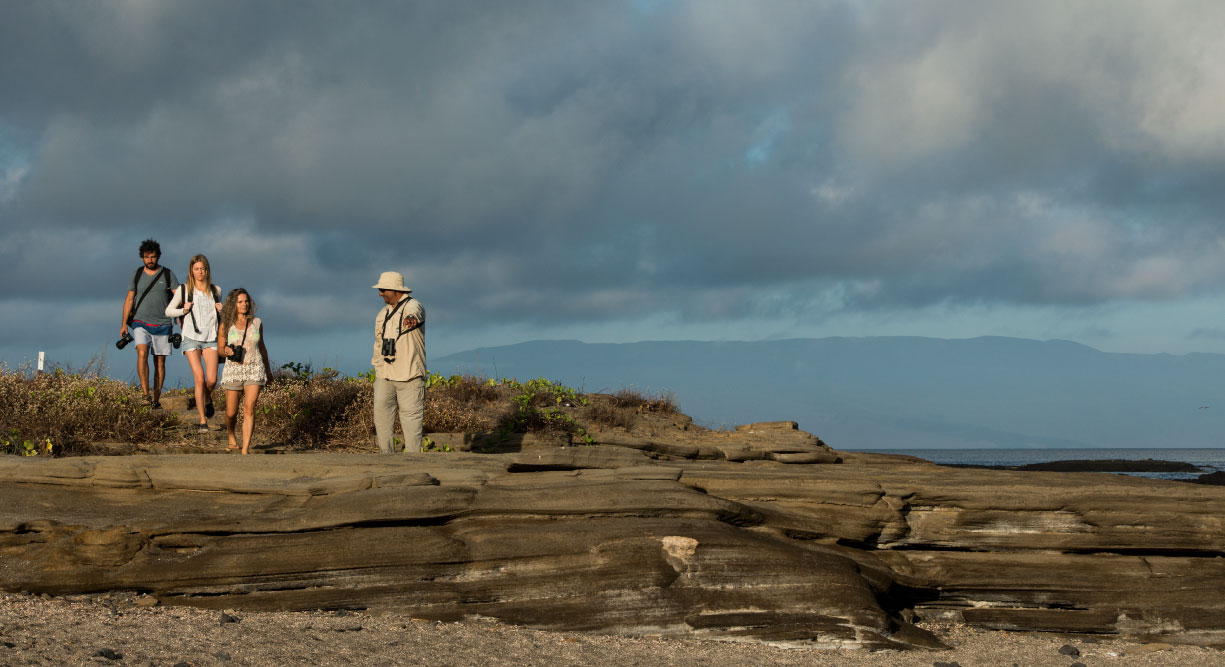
198	302
241	342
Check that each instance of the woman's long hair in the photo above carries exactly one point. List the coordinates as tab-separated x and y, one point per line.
208	274
229	312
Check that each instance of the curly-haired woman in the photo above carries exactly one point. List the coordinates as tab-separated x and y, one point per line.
241	342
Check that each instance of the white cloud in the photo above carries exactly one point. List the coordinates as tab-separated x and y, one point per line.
909	108
1149	75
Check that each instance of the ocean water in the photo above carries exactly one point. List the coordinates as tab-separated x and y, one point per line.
1210	460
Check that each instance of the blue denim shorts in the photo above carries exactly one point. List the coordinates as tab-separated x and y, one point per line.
189	344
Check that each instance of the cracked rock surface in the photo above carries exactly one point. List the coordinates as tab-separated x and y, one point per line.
783	540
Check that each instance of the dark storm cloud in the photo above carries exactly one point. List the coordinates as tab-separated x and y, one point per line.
545	162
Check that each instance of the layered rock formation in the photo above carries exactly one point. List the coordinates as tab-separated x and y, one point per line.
760	533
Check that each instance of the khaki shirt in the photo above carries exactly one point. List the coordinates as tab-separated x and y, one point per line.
409	361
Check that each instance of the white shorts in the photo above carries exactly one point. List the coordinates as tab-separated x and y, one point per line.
161	344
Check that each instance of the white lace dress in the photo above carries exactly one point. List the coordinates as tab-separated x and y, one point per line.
251	370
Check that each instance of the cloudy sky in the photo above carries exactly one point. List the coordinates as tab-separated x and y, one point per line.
620	170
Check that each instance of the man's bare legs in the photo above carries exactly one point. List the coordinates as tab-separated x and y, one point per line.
142	368
142	372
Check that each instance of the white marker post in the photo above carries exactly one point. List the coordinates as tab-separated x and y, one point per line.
40	361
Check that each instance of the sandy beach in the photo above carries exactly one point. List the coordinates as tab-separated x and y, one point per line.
115	629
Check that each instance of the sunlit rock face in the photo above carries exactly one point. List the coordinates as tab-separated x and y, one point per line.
762	533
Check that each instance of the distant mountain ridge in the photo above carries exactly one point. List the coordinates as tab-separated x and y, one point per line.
900	392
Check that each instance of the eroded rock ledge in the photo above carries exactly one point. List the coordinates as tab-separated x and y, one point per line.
776	542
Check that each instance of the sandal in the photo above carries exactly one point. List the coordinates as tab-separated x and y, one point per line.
232	448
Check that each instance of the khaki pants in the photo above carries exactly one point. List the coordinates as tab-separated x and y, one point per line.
409	398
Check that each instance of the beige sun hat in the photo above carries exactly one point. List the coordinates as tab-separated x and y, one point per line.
391	280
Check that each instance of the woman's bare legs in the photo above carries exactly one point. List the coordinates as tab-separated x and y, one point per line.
231	415
250	394
210	376
197	372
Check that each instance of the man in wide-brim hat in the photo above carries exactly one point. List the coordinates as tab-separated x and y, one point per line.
399	365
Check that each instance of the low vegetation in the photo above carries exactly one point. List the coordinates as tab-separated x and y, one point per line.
62	412
65	412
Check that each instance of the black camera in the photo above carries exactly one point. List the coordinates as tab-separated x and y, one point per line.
389	348
124	340
237	353
176	340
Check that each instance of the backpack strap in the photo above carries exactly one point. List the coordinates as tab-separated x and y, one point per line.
135	282
188	296
217	299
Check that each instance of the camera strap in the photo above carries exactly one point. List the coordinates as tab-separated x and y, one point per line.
399	324
243	344
136	280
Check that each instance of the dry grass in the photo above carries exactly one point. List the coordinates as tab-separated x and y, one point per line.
70	410
608	415
325	410
624	408
469	405
304	409
316	411
662	402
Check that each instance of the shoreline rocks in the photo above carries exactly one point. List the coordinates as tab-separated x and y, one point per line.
1093	465
1214	478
